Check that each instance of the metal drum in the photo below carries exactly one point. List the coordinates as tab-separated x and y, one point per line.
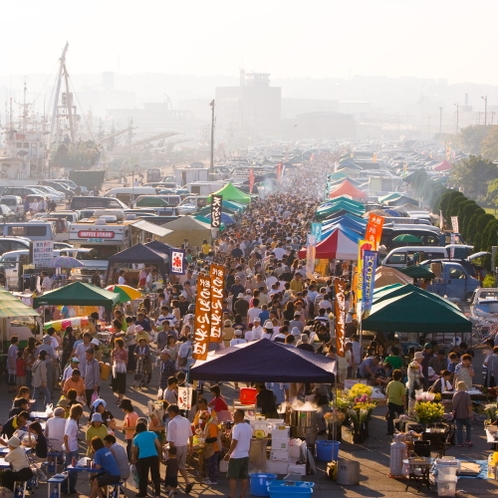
303	425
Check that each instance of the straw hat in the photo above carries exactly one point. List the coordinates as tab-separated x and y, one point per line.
461	386
418	355
14	441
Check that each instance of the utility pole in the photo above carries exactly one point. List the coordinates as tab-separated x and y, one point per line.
211	164
485	98
440	120
457	129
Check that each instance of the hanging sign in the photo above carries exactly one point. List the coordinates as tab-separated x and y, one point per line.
216	201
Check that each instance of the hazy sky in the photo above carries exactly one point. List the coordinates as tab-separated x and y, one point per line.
437	38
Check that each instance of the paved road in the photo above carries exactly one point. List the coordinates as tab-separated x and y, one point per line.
373	457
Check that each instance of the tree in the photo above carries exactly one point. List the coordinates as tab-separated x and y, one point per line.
445	202
492	193
481	224
453	211
472	176
489	144
466	210
470	221
471	138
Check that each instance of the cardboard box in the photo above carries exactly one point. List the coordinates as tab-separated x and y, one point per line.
277	467
281	432
297	469
279	455
279	444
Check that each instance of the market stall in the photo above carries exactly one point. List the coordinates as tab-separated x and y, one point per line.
78	294
265	361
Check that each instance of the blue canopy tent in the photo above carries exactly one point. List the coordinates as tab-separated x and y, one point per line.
264	361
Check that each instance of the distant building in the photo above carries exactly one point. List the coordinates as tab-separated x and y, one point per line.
248	111
320	125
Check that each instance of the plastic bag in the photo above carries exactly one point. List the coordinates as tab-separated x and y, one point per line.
95	396
133	477
49	409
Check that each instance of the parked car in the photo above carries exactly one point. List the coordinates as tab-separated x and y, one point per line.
15	203
25	191
6	214
60	187
49	191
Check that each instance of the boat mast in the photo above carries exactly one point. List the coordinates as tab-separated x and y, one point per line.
55	113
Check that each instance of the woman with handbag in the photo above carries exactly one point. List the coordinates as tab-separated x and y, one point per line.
119	357
211	446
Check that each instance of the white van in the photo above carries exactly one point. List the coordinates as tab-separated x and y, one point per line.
41	230
401	257
129	194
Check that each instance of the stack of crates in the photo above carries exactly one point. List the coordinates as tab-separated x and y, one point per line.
280	451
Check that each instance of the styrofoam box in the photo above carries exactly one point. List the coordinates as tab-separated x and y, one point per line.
280	455
281	432
446	488
298	469
277	467
279	444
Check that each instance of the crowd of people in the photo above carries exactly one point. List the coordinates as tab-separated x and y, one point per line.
268	294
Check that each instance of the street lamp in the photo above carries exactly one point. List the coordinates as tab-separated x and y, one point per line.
457	105
485	98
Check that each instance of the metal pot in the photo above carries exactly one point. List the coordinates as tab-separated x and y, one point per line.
302	418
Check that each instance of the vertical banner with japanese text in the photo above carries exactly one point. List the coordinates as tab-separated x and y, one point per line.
216	201
310	256
251	180
373	232
202	318
217	279
369	267
340	315
177	259
279	171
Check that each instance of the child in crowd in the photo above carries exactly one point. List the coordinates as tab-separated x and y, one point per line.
20	369
171	478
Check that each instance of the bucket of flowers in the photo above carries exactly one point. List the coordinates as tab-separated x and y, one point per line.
360	411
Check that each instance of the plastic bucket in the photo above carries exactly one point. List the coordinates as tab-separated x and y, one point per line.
247	396
287	491
259	483
327	451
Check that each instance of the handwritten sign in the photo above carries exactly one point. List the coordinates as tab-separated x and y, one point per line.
184	398
177	262
216	201
202	318
340	315
43	252
216	273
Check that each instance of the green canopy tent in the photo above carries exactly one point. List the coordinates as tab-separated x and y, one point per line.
232	193
78	294
408	238
414	312
418	271
402	290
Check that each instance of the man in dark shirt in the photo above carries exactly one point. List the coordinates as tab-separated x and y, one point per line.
143	322
16	422
168	369
305	344
237	288
265	400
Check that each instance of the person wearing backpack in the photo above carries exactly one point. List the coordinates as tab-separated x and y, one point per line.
184	359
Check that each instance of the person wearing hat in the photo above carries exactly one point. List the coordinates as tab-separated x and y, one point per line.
50	359
68	371
92	377
464	371
20	467
238	339
227	332
257	330
96	429
415	378
462	414
140	334
167	368
268	330
241	307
